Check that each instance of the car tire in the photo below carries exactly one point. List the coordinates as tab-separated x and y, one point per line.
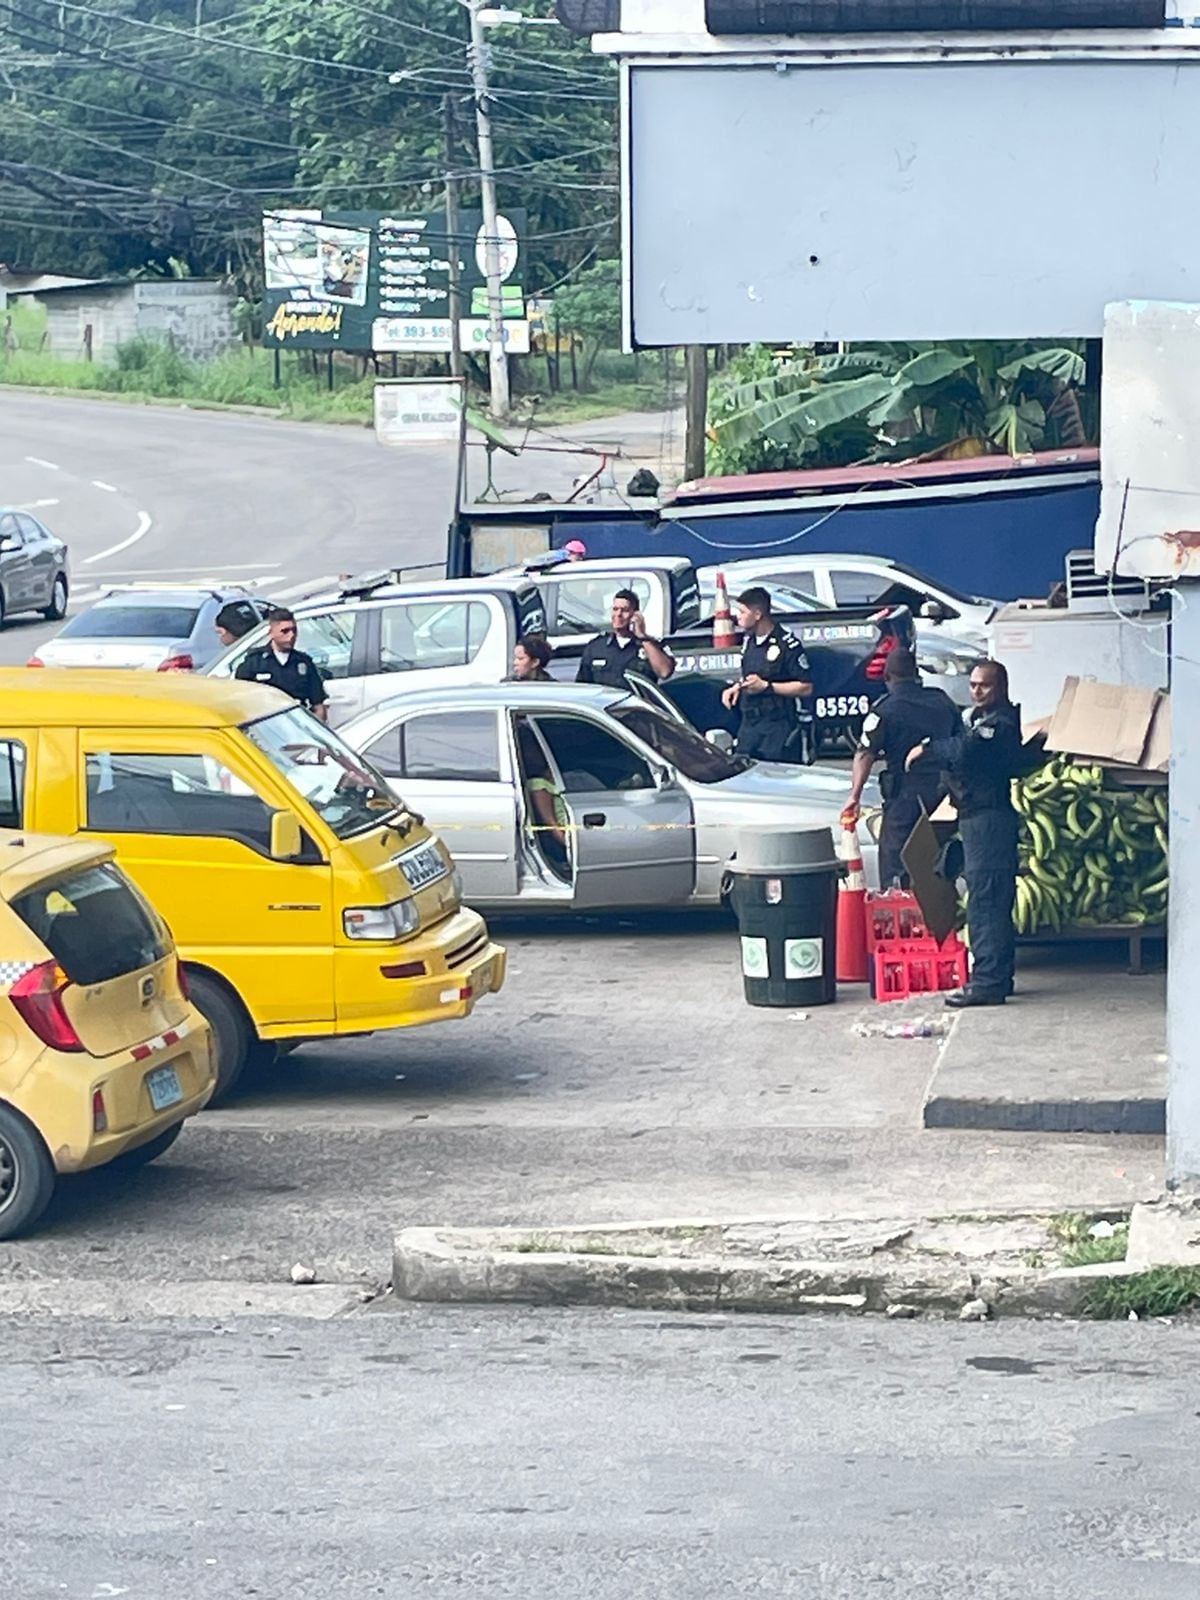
233	1034
57	609
148	1152
27	1175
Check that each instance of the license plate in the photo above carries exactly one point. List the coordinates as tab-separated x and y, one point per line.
165	1088
423	866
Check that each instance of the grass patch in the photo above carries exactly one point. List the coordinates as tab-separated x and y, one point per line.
1160	1292
1072	1233
587	405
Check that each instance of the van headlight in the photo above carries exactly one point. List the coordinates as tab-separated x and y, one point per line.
396	921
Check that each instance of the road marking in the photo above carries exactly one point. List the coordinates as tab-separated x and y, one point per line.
35	505
151	572
145	523
38	461
109	488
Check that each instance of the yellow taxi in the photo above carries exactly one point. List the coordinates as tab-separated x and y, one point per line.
306	899
102	1055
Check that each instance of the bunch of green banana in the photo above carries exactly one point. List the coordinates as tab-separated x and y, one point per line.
1091	851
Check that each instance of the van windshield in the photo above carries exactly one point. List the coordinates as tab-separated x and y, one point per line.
341	786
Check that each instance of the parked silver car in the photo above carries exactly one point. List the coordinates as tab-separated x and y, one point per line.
574	797
167	627
33	567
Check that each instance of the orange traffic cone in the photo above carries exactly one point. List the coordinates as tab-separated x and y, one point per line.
852	912
724	637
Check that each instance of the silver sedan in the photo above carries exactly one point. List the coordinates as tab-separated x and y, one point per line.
570	797
33	567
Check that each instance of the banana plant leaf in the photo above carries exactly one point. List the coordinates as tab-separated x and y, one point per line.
1068	366
794	418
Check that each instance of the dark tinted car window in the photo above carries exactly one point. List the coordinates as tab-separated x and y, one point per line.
94	925
453	744
132	622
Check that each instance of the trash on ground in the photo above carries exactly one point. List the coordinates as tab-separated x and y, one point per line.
910	1028
303	1274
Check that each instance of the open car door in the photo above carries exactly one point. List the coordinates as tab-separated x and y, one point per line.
631	836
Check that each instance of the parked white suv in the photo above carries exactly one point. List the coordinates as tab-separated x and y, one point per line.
844	580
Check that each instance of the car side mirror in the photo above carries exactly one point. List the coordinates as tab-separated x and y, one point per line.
934	611
8	545
286	843
722	738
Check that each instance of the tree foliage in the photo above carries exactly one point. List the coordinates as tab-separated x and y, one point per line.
886	402
133	132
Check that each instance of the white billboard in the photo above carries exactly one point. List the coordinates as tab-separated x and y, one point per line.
917	199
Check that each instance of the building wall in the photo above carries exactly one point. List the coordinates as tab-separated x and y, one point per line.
110	313
194	316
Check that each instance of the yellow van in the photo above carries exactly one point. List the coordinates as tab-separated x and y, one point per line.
306	900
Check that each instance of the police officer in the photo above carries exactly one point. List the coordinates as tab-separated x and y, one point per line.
628	648
775	678
284	667
234	621
907	715
980	762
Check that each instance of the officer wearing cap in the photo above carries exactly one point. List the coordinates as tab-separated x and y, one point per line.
234	621
775	678
628	648
909	714
284	667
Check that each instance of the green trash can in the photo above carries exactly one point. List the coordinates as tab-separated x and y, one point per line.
784	893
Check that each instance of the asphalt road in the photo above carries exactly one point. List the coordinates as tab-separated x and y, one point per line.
144	493
557	1456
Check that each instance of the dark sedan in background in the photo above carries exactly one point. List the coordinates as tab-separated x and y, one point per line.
33	567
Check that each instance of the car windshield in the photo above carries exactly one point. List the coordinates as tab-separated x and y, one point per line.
784	599
132	622
682	746
341	786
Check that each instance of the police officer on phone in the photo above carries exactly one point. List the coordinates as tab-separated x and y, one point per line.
907	715
775	679
628	648
284	667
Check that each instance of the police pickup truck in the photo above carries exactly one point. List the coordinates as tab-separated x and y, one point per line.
376	636
847	649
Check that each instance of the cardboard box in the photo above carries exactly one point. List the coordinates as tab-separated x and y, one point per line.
1114	724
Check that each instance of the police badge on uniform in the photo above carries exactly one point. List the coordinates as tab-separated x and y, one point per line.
773	652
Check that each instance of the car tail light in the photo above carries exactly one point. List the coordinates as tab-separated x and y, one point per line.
877	665
181	978
38	997
35	661
99	1112
177	664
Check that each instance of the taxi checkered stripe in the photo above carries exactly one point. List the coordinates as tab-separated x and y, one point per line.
10	971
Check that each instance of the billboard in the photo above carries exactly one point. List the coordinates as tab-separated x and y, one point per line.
377	281
911	199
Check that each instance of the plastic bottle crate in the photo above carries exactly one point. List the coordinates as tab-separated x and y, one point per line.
906	967
893	914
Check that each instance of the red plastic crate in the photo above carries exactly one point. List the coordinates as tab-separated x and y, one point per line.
907	967
893	914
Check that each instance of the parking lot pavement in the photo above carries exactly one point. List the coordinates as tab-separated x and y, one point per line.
619	1076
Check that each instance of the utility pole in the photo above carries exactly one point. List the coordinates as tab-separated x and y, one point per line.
497	355
696	359
453	241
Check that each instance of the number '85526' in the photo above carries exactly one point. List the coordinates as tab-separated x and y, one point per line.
842	705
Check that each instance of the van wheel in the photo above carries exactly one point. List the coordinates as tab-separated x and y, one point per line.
27	1174
232	1034
148	1152
3	610
57	609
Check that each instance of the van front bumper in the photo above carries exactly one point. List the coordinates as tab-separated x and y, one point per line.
438	975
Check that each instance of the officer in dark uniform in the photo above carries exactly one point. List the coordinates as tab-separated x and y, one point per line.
628	648
980	762
907	715
284	667
775	679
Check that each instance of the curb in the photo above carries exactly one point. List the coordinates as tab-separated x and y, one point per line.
705	1266
1137	1115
